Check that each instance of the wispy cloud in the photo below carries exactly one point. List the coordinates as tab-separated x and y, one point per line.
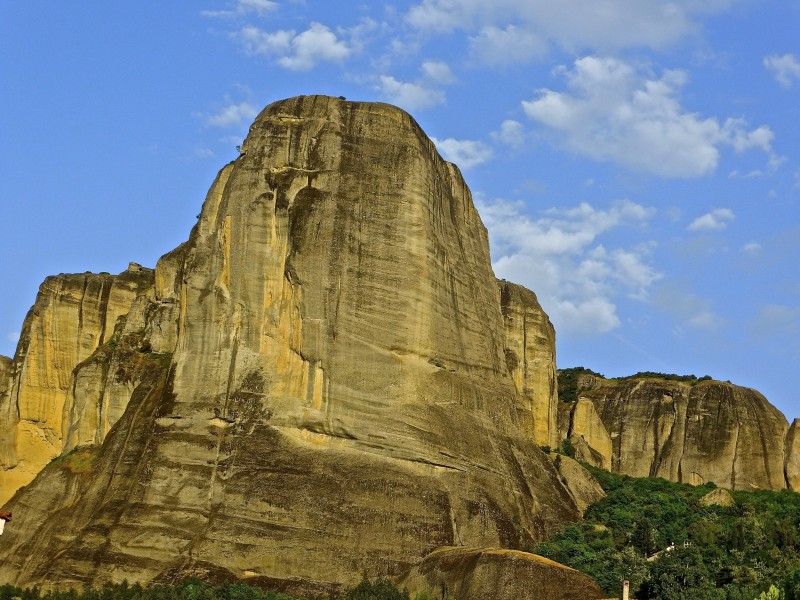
676	298
409	95
232	114
613	113
752	248
464	153
425	92
296	51
511	133
559	255
786	68
716	220
502	47
572	24
243	7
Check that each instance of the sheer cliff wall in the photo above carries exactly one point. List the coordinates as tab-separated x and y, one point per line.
317	385
691	433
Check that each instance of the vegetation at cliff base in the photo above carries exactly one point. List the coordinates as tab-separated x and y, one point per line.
194	589
672	546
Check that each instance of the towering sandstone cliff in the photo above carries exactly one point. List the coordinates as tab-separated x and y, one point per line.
325	381
73	316
686	432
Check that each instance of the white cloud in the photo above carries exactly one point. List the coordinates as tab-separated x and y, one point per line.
256	42
500	47
464	153
243	7
786	68
573	24
675	298
613	113
438	72
716	220
511	133
752	248
409	95
423	93
558	255
296	51
13	336
231	115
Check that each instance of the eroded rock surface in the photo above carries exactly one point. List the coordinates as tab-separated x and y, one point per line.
690	433
72	317
793	456
582	486
314	387
480	573
530	351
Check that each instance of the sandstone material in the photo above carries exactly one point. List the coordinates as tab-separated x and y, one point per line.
72	317
707	432
718	497
5	374
793	456
530	351
480	573
589	436
338	402
582	485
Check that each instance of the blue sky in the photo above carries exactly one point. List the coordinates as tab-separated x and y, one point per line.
637	162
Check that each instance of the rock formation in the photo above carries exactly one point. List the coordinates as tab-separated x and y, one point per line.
530	351
480	573
72	317
792	450
582	486
686	432
322	383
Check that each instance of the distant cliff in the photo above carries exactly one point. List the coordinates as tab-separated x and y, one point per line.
325	382
74	315
686	431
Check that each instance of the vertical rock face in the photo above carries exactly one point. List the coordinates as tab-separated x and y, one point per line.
72	317
589	435
793	456
708	431
316	385
530	352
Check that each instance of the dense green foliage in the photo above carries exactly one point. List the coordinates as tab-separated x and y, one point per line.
193	589
690	379
568	382
720	553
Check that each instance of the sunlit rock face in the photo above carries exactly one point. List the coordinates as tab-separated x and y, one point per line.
793	456
708	431
72	317
314	387
480	573
530	351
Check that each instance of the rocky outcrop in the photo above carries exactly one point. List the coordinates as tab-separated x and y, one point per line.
588	435
479	573
315	387
582	486
718	497
793	456
697	432
530	352
72	317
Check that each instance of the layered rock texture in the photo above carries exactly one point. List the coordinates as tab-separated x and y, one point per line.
73	316
480	573
325	381
686	432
